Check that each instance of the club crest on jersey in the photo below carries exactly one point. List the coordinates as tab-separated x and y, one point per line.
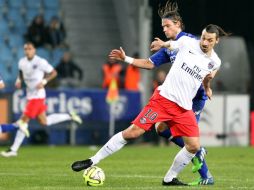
142	120
35	67
210	65
172	54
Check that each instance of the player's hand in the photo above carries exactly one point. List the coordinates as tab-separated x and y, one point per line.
40	85
209	93
117	54
156	44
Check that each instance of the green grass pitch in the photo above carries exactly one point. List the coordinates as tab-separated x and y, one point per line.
134	167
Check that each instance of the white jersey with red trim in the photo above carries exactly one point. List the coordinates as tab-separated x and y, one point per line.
188	71
33	73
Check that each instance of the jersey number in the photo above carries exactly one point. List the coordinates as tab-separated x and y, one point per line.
151	115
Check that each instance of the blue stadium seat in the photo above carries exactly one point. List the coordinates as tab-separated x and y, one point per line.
2	3
49	13
2	40
16	41
7	76
4	27
16	3
20	53
44	53
6	60
57	56
3	68
36	4
17	21
14	68
20	27
14	14
31	14
5	53
51	4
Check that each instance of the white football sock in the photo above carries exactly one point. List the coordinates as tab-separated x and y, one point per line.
209	175
114	144
57	118
20	136
181	160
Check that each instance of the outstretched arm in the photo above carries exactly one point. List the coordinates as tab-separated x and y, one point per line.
119	54
158	44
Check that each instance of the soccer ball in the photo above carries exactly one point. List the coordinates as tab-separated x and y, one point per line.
94	176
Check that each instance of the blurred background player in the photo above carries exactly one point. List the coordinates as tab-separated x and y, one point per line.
36	72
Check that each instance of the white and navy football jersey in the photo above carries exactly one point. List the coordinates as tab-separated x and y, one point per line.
33	73
190	67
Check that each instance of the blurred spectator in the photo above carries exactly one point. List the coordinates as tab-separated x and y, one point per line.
159	79
111	69
37	32
69	73
56	33
132	76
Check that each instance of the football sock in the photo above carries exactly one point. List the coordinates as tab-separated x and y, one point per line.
57	118
177	140
181	160
8	128
20	136
204	171
166	134
114	144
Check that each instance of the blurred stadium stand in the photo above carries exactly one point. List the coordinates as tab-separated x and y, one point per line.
15	16
97	19
92	32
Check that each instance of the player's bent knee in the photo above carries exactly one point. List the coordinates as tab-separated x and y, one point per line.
192	148
133	132
160	127
192	144
43	123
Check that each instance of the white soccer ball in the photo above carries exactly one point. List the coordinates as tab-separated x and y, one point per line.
94	176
